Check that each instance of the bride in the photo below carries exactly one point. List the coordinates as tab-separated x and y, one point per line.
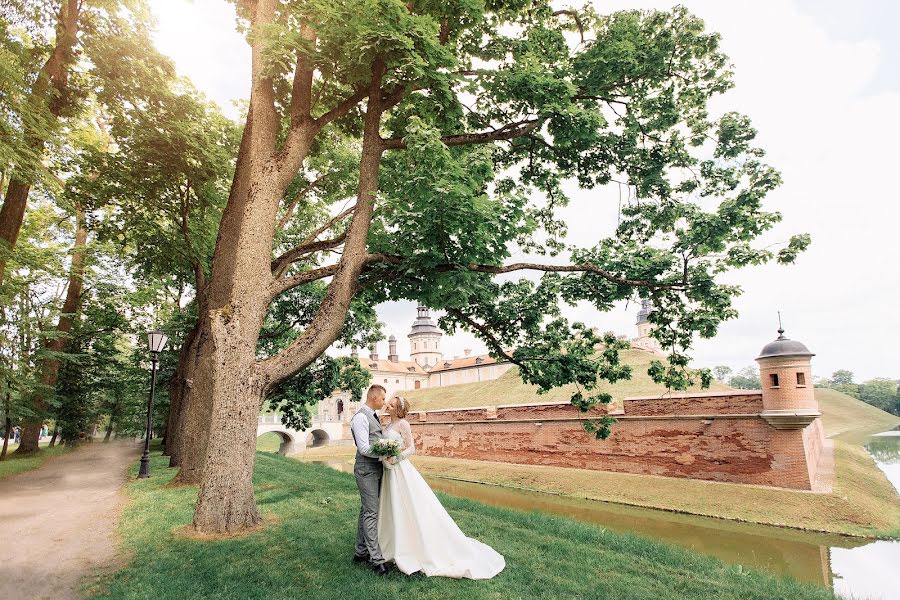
414	530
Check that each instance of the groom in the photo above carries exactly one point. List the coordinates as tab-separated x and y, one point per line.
368	471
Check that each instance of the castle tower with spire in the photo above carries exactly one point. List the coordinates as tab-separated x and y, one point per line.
644	340
425	340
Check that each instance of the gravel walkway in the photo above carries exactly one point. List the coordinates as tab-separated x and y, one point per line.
57	522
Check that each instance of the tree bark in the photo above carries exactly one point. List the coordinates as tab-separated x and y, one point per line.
54	436
180	396
7	429
31	429
50	90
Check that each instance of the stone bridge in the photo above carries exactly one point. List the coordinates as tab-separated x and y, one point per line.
319	433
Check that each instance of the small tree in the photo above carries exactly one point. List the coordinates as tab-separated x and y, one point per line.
722	373
746	379
842	377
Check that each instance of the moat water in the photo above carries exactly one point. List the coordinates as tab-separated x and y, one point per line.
854	568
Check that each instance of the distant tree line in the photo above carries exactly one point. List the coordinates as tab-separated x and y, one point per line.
881	392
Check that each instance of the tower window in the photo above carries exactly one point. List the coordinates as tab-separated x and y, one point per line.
414	346
773	379
426	345
385	380
801	379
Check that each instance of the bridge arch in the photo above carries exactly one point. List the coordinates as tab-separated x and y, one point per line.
289	442
317	437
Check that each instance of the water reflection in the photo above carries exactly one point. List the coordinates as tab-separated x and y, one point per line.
854	567
885	449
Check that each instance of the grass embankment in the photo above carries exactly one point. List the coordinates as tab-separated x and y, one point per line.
14	464
509	388
851	420
304	551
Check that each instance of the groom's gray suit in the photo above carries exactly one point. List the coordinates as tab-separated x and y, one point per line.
368	471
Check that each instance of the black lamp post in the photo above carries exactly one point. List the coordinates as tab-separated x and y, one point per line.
157	341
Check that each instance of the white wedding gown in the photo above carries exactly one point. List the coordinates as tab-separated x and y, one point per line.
416	532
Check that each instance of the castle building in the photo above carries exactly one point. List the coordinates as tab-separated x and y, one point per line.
427	367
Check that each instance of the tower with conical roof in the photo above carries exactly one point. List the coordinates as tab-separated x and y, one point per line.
425	340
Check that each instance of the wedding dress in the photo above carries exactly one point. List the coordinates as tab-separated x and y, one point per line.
414	529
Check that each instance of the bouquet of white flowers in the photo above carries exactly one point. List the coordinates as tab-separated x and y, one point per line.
386	448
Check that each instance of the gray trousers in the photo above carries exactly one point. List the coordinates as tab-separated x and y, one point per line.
368	473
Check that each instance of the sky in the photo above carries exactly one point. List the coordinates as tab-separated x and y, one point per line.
821	81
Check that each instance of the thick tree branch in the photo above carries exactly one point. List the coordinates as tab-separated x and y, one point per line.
523	266
507	132
343	107
280	264
310	244
301	90
280	286
332	312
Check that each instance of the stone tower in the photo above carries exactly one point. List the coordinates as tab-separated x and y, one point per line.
425	340
643	325
644	340
789	400
392	349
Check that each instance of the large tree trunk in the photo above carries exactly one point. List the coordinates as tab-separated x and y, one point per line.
50	93
226	502
196	410
7	431
180	396
54	436
31	429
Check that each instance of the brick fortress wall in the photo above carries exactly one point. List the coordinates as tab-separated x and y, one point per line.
714	436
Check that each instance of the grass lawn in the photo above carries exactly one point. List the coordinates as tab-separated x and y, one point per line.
268	442
509	388
304	552
14	464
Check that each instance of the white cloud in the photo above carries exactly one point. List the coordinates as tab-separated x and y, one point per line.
834	143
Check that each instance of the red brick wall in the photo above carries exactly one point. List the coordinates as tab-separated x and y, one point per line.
713	437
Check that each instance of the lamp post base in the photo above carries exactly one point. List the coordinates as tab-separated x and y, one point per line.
144	471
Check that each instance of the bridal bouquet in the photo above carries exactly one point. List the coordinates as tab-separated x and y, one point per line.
386	449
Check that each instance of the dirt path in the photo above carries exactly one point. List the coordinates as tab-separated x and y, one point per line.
57	522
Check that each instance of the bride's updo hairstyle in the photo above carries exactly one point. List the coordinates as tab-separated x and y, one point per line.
402	407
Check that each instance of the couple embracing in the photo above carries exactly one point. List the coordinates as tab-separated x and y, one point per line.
401	521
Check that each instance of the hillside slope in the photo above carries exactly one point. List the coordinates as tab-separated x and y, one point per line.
849	419
509	389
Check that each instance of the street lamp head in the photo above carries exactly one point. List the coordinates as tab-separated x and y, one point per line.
157	341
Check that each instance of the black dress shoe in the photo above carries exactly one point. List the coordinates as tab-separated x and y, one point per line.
380	569
359	559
